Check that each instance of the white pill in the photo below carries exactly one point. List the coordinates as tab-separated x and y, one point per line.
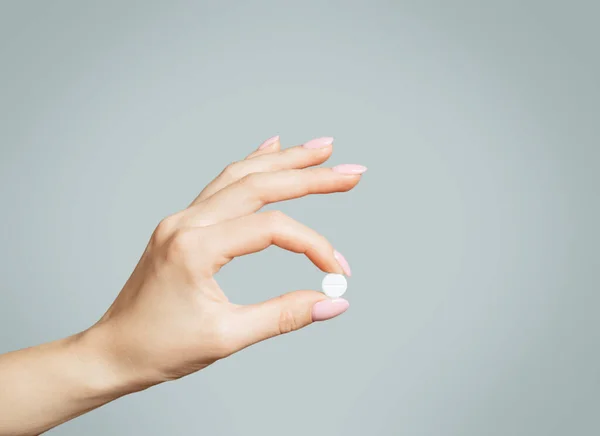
334	285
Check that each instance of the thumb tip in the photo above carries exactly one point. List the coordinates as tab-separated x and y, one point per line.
329	308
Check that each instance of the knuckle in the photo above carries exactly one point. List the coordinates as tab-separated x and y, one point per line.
276	221
234	171
251	181
165	228
287	321
180	248
276	217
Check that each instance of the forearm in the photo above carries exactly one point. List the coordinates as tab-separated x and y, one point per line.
44	386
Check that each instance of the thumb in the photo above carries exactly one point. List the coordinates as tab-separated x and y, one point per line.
283	314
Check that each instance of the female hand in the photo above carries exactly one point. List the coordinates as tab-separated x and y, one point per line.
172	318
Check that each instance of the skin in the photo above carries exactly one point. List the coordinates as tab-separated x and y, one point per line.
171	318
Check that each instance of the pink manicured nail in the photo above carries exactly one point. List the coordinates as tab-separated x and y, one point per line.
343	262
328	309
319	142
269	142
349	169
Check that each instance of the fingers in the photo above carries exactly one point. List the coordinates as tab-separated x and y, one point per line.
280	315
256	232
268	160
255	190
271	145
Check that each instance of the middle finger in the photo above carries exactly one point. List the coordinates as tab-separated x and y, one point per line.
255	190
313	153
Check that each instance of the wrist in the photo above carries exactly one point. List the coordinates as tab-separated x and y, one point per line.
109	374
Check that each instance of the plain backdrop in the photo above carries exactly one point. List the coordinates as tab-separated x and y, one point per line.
473	236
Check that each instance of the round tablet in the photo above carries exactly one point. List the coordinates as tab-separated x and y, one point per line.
334	285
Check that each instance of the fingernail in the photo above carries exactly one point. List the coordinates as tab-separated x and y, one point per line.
269	142
349	169
319	142
343	262
328	309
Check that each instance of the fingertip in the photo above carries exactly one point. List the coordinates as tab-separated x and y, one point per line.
318	156
272	141
347	182
342	262
350	169
324	141
270	145
329	308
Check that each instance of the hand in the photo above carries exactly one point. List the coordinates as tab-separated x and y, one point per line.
172	318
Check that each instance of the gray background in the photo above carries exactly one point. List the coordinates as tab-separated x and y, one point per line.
473	237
